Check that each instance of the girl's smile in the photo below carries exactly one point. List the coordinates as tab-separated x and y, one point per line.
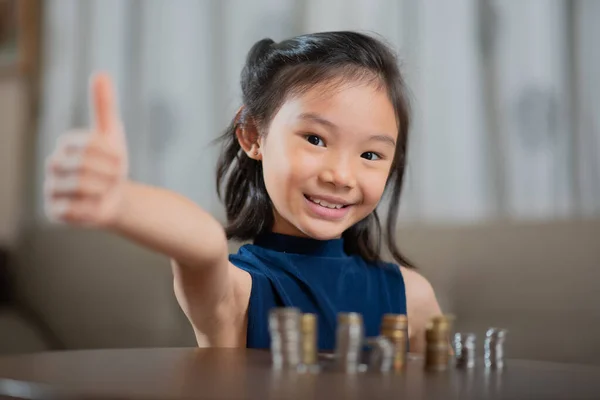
327	207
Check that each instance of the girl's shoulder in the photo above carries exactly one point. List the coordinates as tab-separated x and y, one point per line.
419	290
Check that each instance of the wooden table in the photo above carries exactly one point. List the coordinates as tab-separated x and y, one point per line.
247	374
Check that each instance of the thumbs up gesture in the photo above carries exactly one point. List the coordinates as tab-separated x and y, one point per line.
87	172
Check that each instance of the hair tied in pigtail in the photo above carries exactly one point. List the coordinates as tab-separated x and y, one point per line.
260	50
257	69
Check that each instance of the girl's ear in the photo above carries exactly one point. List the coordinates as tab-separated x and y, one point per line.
247	135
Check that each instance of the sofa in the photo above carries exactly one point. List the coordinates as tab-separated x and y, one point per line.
89	289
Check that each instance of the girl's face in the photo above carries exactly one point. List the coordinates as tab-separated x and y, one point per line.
326	159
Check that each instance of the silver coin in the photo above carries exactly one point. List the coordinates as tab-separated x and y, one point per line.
381	355
349	342
464	348
494	348
284	329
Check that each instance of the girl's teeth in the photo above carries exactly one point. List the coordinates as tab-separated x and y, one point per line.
323	203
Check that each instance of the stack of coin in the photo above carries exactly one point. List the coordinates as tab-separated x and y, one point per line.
284	328
309	339
395	328
464	347
381	355
437	339
494	348
349	342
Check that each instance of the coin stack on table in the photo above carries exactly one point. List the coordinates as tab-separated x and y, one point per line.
286	337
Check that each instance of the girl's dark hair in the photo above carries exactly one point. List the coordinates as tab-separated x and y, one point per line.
275	71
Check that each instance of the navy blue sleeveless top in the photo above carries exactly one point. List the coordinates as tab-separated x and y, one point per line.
316	277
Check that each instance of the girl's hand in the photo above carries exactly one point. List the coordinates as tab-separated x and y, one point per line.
87	172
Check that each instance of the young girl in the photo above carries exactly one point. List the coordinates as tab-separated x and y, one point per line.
321	135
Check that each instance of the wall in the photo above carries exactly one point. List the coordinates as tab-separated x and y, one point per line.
12	141
18	330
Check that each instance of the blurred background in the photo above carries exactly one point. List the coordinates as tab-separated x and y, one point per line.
501	210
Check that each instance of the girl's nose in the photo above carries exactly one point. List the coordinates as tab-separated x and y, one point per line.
339	172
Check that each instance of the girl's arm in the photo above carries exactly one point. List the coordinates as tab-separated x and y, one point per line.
170	224
212	292
87	185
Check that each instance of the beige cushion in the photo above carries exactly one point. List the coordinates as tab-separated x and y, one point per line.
18	335
539	280
97	290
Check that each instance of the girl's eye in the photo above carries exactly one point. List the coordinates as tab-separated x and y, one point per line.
314	139
369	155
